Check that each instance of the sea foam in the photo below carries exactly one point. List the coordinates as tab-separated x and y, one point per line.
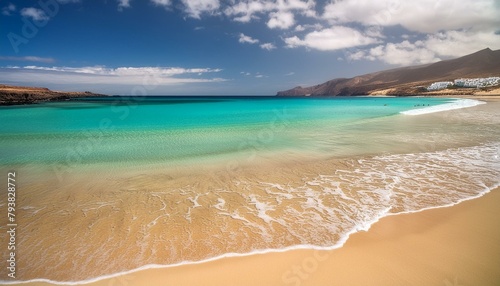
458	104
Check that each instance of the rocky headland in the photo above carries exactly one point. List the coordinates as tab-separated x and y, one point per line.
13	95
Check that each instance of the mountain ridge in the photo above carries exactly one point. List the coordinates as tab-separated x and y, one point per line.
409	80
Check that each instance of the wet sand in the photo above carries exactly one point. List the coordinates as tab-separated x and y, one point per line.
447	246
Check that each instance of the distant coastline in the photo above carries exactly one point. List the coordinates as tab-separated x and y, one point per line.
19	95
430	79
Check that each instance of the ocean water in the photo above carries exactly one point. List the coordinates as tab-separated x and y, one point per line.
130	130
117	184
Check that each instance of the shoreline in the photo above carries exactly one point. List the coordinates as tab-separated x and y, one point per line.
18	96
373	229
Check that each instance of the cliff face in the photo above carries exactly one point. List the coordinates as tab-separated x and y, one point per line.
407	80
10	95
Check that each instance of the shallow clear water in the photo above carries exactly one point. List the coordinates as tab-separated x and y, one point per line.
128	130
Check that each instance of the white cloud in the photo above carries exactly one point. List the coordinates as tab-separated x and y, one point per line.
334	38
29	59
247	39
425	16
164	3
34	13
374	31
281	20
449	28
295	5
244	11
123	4
404	53
268	46
247	10
244	39
459	43
256	75
107	76
126	71
290	73
195	8
7	10
359	55
301	28
68	1
433	48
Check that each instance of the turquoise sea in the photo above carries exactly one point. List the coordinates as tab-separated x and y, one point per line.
125	130
114	184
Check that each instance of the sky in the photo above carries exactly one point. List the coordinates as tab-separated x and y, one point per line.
229	47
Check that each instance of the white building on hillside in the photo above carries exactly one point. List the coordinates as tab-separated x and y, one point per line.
439	85
477	82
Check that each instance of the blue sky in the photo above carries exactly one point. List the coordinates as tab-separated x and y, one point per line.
249	47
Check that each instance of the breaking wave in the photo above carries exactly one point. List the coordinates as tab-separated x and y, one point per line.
458	104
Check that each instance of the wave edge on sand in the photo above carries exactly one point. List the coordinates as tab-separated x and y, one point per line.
458	104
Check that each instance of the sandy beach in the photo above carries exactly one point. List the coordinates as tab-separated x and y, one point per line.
447	246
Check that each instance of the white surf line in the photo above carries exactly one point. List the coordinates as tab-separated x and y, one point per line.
459	103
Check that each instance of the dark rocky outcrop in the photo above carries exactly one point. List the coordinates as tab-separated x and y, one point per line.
12	95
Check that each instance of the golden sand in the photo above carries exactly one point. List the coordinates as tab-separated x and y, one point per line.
495	91
446	247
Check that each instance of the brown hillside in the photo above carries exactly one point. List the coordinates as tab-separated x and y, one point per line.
408	80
